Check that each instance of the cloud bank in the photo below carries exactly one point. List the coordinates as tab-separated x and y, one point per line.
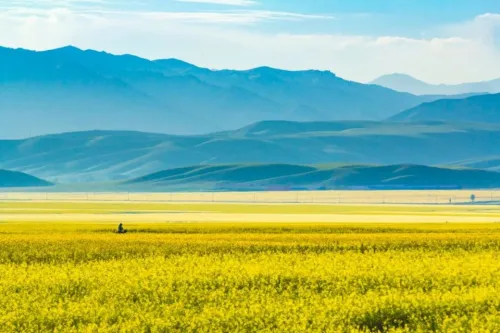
468	51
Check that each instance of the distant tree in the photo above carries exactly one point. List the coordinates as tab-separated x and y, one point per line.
472	198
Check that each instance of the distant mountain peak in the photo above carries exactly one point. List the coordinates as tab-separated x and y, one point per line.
395	78
69	47
268	69
406	83
175	63
397	75
65	49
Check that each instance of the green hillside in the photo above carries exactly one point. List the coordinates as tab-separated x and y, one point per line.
480	109
287	176
491	163
19	179
107	155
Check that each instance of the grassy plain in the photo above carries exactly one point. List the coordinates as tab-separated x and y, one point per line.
75	275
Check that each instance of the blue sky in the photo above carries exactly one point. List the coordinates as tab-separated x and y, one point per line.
440	41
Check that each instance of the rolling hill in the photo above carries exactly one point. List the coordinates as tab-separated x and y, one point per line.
280	176
68	89
98	156
407	83
19	179
480	109
490	162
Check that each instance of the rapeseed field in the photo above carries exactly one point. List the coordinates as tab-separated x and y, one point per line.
249	277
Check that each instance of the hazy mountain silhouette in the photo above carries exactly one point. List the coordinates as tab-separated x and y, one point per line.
111	155
409	84
19	179
264	176
482	109
68	89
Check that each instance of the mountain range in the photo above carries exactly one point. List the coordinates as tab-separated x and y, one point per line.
286	176
258	177
409	84
125	117
68	89
99	156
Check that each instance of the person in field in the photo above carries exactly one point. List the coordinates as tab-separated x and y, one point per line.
120	229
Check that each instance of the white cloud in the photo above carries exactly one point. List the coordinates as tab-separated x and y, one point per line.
235	17
484	27
465	53
223	2
53	3
206	17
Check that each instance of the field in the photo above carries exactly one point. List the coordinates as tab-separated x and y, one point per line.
305	197
247	267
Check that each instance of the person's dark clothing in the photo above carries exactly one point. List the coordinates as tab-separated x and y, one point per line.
120	229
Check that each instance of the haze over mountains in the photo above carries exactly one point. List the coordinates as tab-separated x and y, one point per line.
409	84
109	106
480	109
68	89
106	155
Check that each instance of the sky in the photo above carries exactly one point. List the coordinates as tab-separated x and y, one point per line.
438	41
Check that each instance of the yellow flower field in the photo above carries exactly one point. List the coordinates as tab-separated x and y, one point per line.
248	277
